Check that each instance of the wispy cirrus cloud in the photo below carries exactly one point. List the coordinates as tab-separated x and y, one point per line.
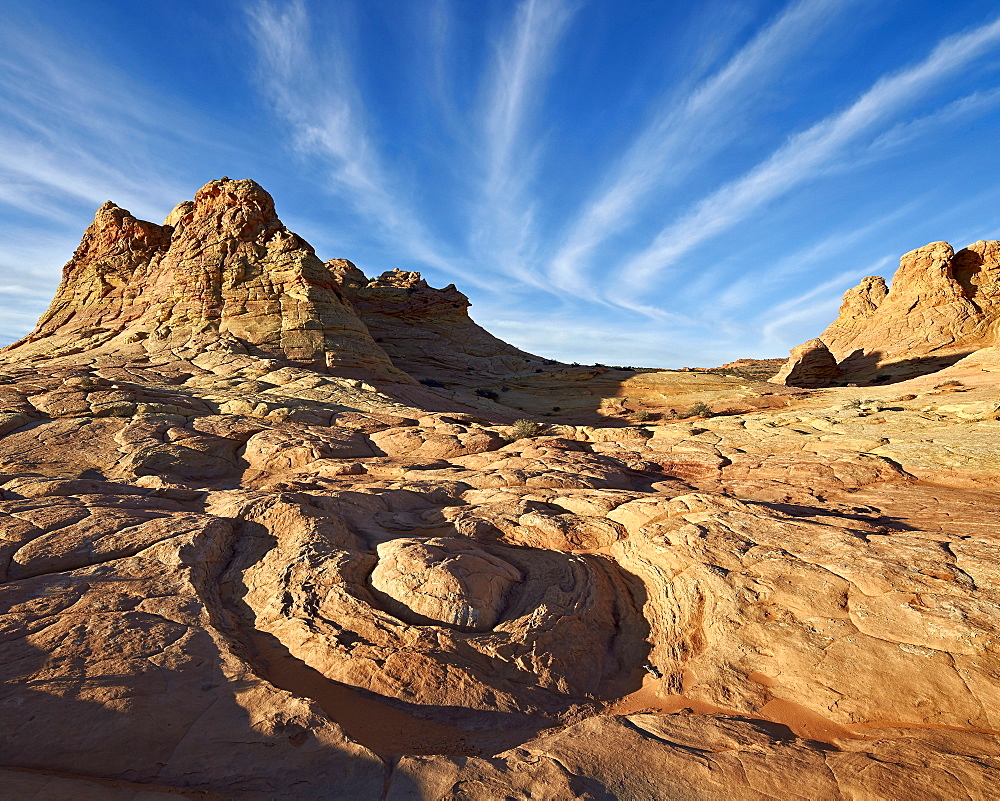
515	88
763	281
311	86
522	59
686	131
76	131
818	301
806	154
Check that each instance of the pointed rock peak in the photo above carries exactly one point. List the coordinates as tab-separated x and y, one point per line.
179	211
865	298
111	216
347	275
235	192
230	209
116	230
925	277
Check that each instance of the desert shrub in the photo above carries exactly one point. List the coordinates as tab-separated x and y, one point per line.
487	393
539	370
431	382
642	415
525	428
947	384
700	409
557	408
505	389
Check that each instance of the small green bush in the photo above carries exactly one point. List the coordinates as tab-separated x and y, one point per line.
487	393
525	428
642	415
700	409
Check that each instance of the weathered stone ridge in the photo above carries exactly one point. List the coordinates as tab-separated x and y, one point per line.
940	306
223	267
427	331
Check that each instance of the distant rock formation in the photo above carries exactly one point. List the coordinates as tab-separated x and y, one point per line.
426	330
810	365
940	307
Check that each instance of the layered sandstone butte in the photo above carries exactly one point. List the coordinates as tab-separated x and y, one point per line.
221	267
940	307
244	556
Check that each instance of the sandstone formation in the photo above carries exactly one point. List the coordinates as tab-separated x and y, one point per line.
940	307
221	268
809	365
248	556
427	332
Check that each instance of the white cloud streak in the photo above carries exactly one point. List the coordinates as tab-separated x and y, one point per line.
762	281
683	134
73	131
806	307
522	61
807	153
314	91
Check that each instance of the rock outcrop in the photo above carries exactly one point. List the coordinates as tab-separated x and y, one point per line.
940	307
810	365
222	268
230	570
427	332
449	581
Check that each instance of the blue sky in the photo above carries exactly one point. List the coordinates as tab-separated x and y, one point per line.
650	183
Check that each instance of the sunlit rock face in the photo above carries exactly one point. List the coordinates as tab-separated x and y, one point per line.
222	268
940	306
449	581
244	556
